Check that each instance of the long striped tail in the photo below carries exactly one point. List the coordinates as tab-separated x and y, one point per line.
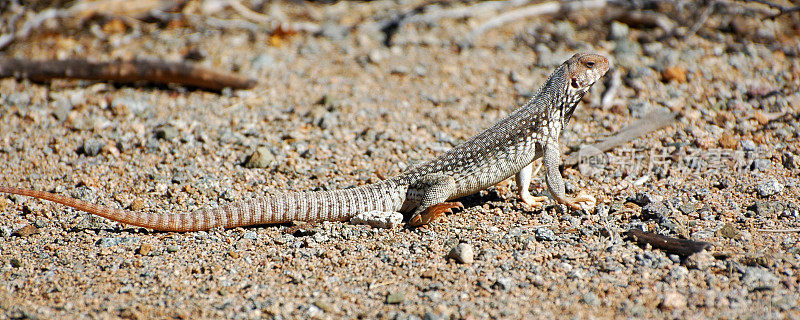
334	205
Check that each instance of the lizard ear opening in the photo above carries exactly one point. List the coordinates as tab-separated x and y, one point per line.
574	83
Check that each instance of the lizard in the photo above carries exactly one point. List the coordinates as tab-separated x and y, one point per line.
508	147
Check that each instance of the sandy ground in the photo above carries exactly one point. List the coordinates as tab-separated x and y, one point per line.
340	109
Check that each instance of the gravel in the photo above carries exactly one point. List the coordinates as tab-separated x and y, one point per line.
340	109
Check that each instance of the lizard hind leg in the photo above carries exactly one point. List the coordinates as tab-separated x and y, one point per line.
432	191
434	212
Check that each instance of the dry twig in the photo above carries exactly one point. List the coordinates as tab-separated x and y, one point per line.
85	9
778	230
700	22
781	8
159	72
681	247
536	10
651	122
432	15
263	19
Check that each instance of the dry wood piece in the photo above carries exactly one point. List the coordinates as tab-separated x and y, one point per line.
158	72
781	8
538	9
651	122
779	230
681	247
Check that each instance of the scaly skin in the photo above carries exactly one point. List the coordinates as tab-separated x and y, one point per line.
508	147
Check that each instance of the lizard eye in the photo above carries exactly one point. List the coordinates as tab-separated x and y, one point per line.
590	64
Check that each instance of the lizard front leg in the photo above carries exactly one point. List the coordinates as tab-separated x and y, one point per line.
523	179
432	190
551	161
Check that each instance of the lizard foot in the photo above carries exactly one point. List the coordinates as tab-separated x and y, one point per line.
583	201
534	202
433	212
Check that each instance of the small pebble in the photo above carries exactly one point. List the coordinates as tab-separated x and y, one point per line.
26	231
618	31
261	158
173	248
672	301
137	204
545	234
324	306
109	242
674	73
504	283
687	208
761	164
166	132
395	297
250	235
15	263
656	209
748	145
728	141
462	253
728	231
758	278
763	208
145	249
789	161
700	261
591	299
768	188
92	147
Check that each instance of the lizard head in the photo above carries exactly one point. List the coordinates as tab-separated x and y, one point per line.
583	70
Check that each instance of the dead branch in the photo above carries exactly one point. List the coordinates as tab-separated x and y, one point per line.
433	14
85	9
649	19
649	123
779	230
781	8
537	10
700	22
31	24
263	19
158	72
681	247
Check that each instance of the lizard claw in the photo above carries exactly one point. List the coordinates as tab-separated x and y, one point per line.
534	202
433	212
583	201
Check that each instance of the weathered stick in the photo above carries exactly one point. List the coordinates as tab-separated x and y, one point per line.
159	72
681	247
263	19
651	122
550	7
779	230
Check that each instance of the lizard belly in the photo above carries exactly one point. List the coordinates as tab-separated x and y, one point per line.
490	175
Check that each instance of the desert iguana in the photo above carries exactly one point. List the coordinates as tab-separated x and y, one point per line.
508	147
